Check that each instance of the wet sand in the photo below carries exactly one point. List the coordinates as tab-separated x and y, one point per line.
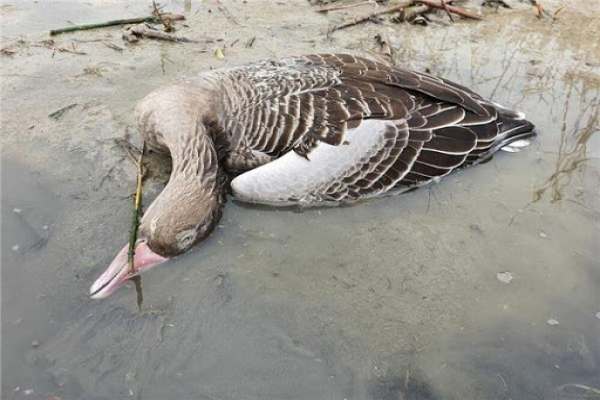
397	298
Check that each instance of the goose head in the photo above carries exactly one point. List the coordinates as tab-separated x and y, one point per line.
190	205
179	218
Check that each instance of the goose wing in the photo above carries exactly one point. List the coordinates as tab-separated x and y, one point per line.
349	128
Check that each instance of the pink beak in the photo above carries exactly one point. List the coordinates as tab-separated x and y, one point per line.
118	272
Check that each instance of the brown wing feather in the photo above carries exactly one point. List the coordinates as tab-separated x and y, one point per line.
440	125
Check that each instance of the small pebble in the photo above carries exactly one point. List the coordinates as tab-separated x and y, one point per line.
45	227
35	344
15	247
552	321
17	210
28	392
504	277
598	315
17	389
543	235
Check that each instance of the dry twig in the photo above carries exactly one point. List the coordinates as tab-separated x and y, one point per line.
538	8
451	9
344	6
225	11
136	32
56	115
113	46
162	17
127	21
363	18
5	51
410	13
250	42
447	10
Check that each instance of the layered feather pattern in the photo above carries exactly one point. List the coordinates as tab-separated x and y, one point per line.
300	111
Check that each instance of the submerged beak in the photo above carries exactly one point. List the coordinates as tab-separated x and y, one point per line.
118	272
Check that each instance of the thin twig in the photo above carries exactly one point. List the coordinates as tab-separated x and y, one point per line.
367	17
137	205
410	13
127	21
453	9
113	46
344	6
539	9
56	115
445	7
135	224
250	42
162	17
227	13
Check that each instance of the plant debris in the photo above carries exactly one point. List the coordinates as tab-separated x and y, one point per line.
505	277
113	46
6	51
127	21
136	32
326	9
56	115
385	48
415	11
250	42
51	44
370	16
92	70
225	11
135	224
496	4
219	53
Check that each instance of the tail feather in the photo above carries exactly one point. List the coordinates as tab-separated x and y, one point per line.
513	126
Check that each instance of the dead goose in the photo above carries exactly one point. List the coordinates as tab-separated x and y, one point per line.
309	130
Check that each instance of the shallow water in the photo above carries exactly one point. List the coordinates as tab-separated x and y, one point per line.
397	298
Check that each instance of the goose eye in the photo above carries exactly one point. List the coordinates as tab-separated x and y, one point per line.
185	238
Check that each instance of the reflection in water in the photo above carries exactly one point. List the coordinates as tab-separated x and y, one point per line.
572	147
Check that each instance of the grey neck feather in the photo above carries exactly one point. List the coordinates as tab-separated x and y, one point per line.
195	159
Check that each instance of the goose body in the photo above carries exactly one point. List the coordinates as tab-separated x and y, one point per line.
308	130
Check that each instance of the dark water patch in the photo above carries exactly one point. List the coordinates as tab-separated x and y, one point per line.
30	213
406	384
210	343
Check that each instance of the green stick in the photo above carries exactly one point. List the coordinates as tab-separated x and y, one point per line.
115	22
137	209
135	224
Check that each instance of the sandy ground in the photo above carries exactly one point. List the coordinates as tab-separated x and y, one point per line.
397	298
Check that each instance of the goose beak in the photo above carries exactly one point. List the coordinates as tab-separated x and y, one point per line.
118	272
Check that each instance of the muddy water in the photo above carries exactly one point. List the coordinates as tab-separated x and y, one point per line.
398	298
